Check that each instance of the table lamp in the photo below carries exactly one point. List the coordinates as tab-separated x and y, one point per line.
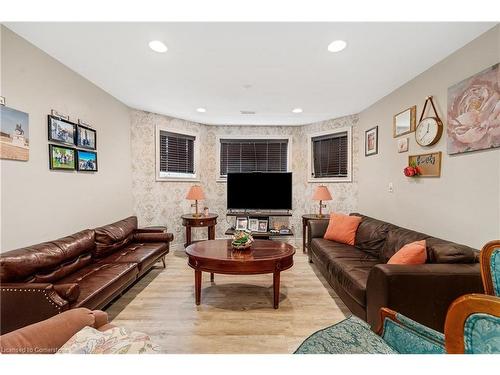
322	194
195	194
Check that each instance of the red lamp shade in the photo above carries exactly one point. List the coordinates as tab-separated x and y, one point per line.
322	194
195	193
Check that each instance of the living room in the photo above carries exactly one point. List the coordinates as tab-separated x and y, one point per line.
250	187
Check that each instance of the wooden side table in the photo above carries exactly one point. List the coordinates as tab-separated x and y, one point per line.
191	221
305	220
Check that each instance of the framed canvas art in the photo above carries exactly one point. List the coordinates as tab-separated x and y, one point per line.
14	134
474	112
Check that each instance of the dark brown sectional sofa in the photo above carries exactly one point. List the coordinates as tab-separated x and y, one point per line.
360	276
87	269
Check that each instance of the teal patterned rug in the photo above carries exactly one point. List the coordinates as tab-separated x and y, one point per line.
350	336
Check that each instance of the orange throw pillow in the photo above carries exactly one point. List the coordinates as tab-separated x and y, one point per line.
342	228
412	253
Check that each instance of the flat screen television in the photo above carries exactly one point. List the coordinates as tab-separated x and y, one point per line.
259	191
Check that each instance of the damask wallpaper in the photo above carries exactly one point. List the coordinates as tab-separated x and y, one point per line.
163	202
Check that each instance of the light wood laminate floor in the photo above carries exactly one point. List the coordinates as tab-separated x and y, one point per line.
236	313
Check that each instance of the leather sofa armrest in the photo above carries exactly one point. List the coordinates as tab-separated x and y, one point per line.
153	237
28	303
421	292
316	228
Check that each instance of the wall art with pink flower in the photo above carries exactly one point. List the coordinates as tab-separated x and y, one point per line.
474	112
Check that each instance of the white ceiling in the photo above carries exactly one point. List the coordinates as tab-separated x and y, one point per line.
287	65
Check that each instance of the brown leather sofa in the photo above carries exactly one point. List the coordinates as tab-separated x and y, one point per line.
365	283
87	269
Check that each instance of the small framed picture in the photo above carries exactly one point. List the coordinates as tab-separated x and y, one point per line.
371	141
253	225
262	226
86	161
403	145
241	223
62	131
2	100
62	158
86	137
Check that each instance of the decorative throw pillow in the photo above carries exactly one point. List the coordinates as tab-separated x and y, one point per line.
116	340
342	228
412	253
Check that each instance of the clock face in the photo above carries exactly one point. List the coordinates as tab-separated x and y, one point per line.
428	131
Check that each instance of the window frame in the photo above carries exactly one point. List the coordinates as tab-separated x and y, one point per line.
221	178
175	176
310	162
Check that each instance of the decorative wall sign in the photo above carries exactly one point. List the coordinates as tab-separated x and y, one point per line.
62	131
60	115
404	122
2	100
474	112
83	123
62	158
86	137
371	141
14	134
429	164
403	145
86	161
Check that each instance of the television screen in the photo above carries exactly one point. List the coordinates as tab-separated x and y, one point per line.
259	191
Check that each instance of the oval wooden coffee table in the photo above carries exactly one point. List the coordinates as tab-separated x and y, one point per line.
217	256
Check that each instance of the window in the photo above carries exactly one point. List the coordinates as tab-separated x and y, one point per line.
176	155
330	158
253	155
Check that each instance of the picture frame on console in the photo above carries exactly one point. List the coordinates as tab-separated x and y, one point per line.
262	226
241	223
253	225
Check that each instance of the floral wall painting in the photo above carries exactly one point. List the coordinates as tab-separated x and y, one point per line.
403	145
371	141
14	134
474	112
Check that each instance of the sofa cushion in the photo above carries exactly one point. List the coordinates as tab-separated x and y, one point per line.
352	275
111	237
100	281
412	253
371	234
144	254
326	249
50	261
396	239
342	228
347	264
442	251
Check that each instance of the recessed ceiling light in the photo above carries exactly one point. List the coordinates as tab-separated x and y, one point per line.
297	110
158	46
201	110
337	46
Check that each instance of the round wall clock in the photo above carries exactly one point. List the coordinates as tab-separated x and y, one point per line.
429	129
